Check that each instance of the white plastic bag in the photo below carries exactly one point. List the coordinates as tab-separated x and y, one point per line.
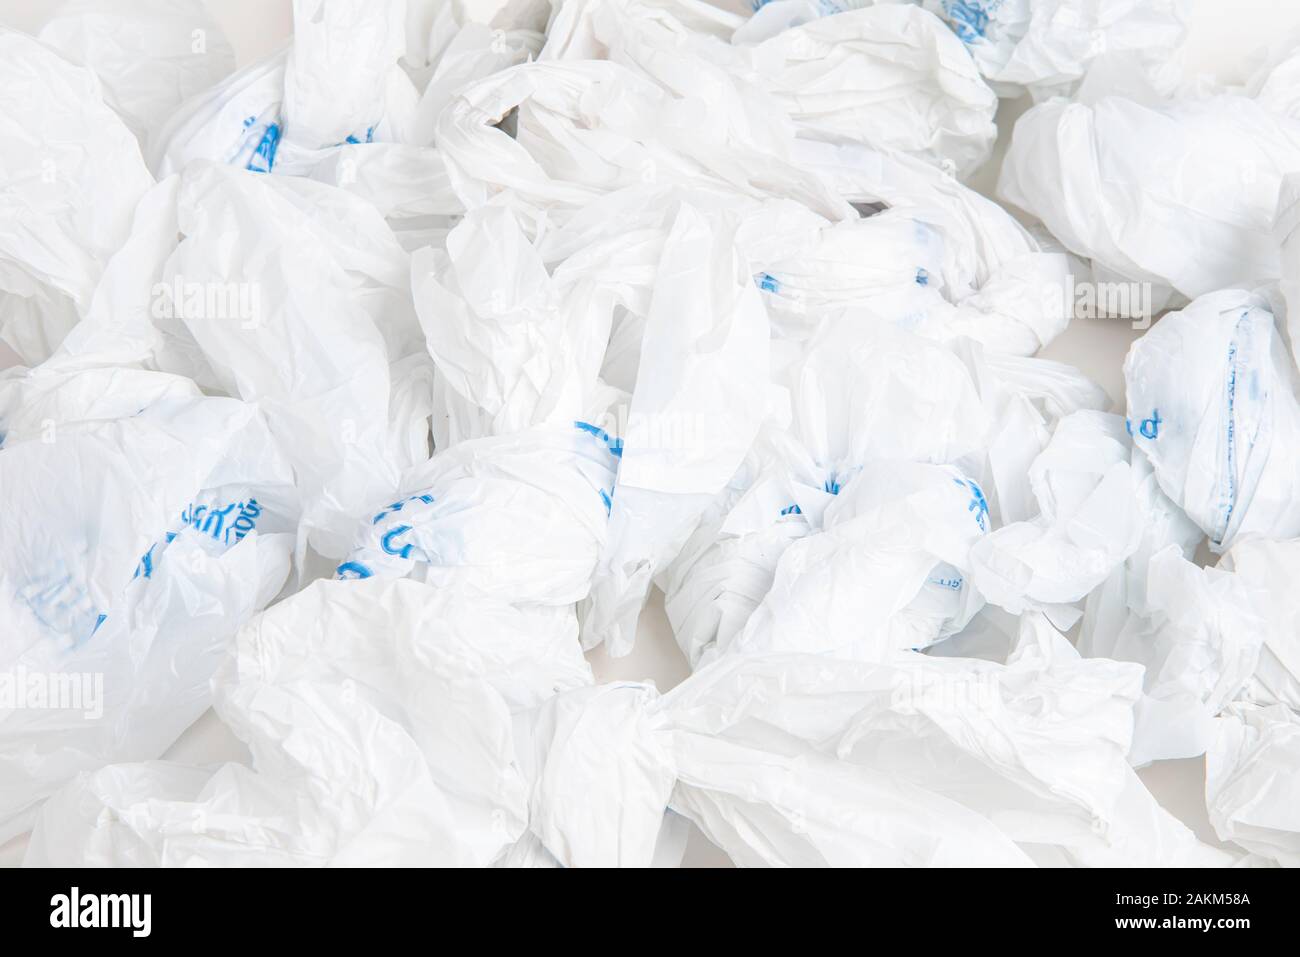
1251	782
692	300
518	517
919	735
253	286
238	121
887	572
151	55
338	69
891	77
70	176
1267	568
785	759
512	350
1212	404
1046	46
1200	643
1088	522
337	104
586	128
699	398
1002	409
403	700
1181	195
172	522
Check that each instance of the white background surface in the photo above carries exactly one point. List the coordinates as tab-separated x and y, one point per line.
1227	39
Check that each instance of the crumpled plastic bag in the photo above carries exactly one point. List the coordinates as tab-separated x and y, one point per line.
1206	637
1002	408
887	571
929	732
1047	46
1088	522
1182	195
726	567
1025	400
553	332
1268	568
862	392
236	122
773	754
171	523
1212	403
1043	47
1199	642
1251	782
151	55
890	76
317	274
1001	285
506	349
585	128
337	82
841	420
577	736
698	402
766	753
341	103
695	299
445	54
520	518
513	345
338	70
845	423
403	699
1109	606
1274	85
659	368
71	175
899	265
1285	298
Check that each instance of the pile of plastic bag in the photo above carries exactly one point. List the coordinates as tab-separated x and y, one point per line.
360	392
